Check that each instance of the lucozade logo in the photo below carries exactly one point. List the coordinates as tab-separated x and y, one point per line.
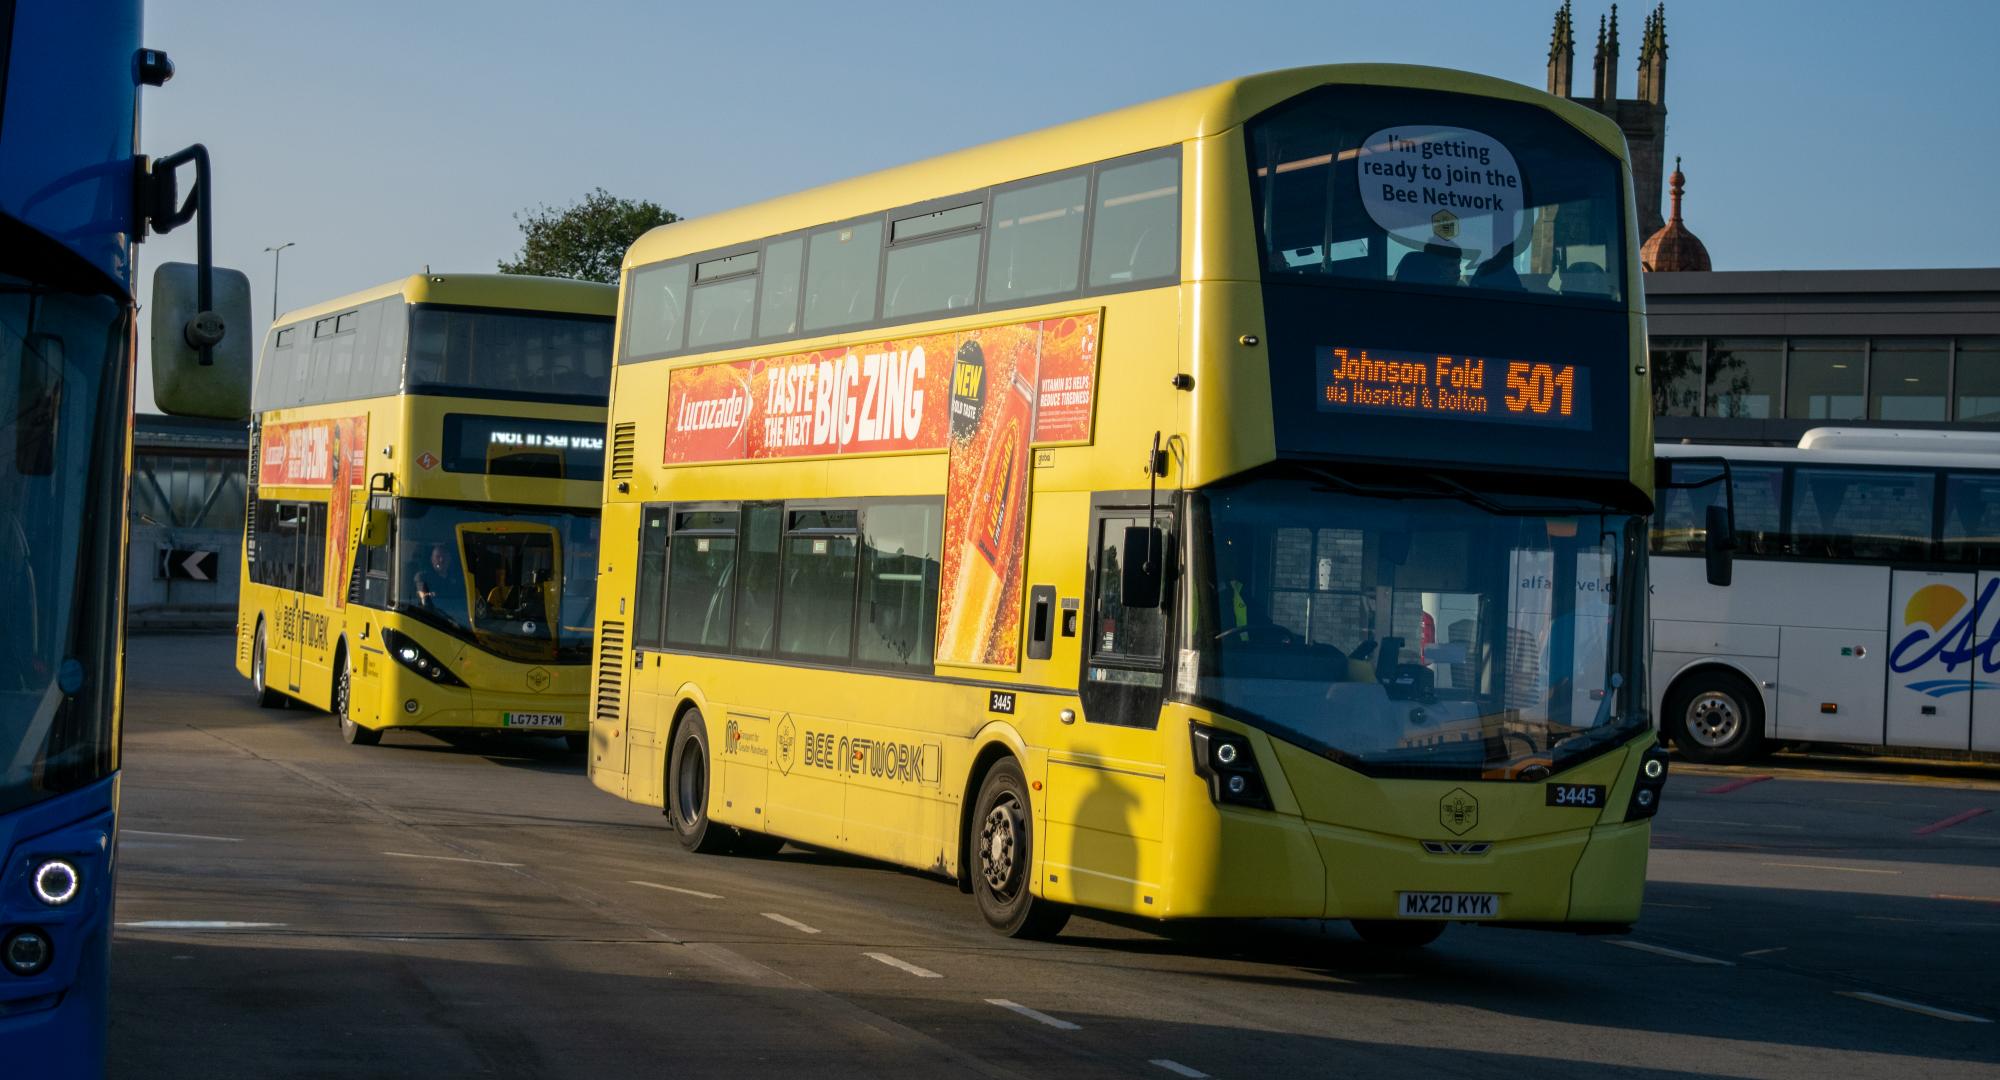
1940	624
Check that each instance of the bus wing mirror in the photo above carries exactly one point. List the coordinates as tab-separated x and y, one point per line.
1720	546
374	527
201	358
1143	560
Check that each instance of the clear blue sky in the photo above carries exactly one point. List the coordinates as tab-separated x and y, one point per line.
382	136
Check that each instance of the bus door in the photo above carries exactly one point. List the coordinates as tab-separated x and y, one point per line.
1933	658
293	542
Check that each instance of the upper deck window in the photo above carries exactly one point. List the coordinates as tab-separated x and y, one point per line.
1135	234
841	265
1412	187
490	352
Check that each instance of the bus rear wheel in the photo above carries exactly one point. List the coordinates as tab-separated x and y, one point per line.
687	789
267	698
1003	855
1398	933
1716	717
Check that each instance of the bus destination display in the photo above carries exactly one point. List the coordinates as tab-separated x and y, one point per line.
1386	381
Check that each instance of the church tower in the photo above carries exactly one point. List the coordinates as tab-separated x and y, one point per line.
1642	118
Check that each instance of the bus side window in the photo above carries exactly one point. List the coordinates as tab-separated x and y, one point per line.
1972	519
757	591
1135	235
649	604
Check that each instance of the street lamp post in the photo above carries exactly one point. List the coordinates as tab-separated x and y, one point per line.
276	254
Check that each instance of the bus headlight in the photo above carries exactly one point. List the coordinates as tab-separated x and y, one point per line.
1225	760
27	952
413	656
1652	783
57	882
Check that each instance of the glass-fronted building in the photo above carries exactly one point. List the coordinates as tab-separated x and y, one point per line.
1763	356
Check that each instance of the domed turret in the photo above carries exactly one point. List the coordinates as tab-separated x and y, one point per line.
1674	247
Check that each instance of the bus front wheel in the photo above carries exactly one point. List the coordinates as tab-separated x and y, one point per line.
267	698
1716	717
1003	855
687	789
351	733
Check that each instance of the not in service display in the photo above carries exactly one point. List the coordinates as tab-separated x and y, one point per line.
1385	381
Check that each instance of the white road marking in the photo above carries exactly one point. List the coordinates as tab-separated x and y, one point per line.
196	924
1034	1014
1826	866
449	858
1179	1069
676	888
1661	950
793	923
183	836
903	965
1767	952
1911	1006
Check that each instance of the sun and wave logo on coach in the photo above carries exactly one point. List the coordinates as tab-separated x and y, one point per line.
1941	624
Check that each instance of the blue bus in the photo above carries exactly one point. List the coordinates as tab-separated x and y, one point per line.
75	197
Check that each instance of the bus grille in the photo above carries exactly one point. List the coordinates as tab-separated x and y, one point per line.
624	450
610	669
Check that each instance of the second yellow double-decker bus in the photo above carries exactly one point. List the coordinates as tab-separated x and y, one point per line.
421	545
1229	506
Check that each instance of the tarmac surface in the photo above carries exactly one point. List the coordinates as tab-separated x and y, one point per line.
289	906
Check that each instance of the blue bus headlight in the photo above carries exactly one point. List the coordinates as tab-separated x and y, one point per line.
27	952
57	882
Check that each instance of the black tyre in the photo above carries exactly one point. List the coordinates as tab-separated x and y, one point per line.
351	733
267	698
758	845
1716	717
576	742
1398	933
1003	855
687	789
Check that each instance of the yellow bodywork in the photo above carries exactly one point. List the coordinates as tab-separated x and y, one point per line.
306	633
1122	821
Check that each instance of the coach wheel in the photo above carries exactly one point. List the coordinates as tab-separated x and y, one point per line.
1716	717
687	789
1003	855
1398	933
351	733
266	697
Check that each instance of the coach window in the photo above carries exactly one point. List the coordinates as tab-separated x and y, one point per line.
933	262
659	308
1035	244
1878	515
725	300
1136	235
840	275
649	603
757	574
1972	519
778	308
816	620
899	583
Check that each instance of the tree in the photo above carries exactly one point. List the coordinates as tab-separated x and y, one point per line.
586	240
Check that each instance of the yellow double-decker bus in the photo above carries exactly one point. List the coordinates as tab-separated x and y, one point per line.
1233	505
421	544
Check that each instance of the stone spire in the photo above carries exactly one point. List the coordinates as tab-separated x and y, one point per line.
1674	248
1562	53
1597	65
1609	95
1655	64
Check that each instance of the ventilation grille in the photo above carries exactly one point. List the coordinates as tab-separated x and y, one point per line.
624	450
610	670
250	498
